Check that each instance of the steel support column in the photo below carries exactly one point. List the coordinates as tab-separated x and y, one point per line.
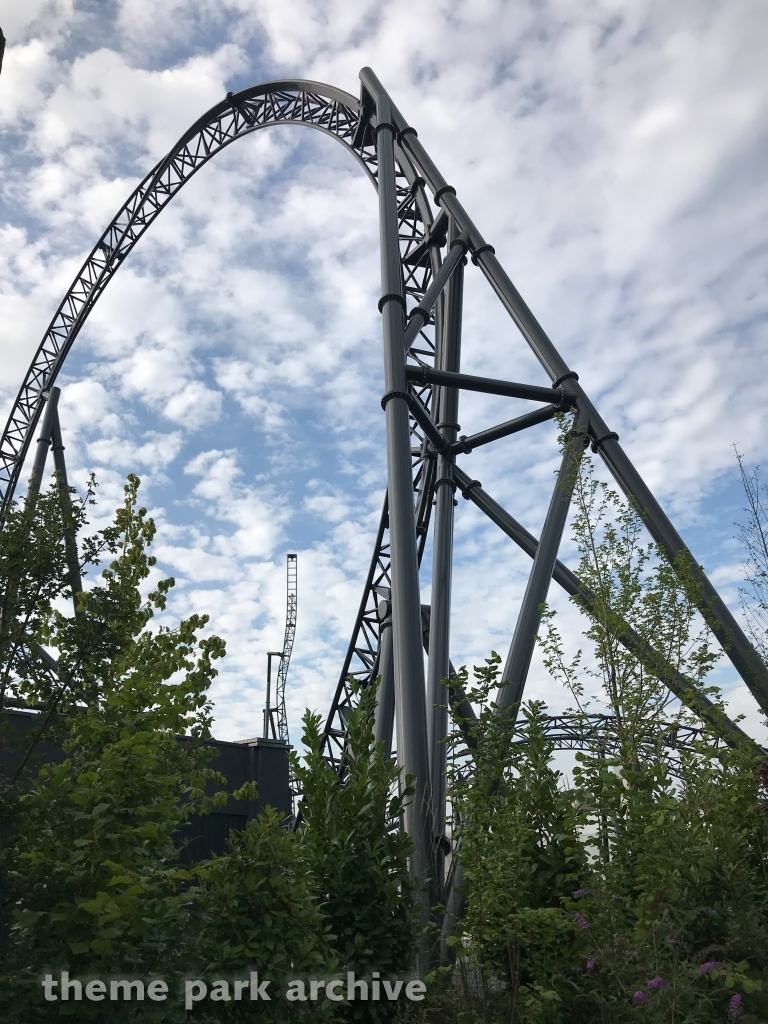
524	640
70	540
447	357
384	719
406	602
43	444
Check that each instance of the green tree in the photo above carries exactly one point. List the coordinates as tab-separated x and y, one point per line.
34	577
358	854
677	911
257	907
91	850
632	585
93	882
520	854
677	877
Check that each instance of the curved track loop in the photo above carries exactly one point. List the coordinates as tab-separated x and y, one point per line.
668	740
338	114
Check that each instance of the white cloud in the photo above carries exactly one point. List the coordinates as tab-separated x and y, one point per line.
48	16
255	512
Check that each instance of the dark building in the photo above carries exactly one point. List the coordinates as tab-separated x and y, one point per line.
259	760
262	761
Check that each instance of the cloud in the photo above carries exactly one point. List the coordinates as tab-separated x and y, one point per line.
255	513
44	16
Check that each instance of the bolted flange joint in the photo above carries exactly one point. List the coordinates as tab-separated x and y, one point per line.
394	394
391	297
479	252
613	436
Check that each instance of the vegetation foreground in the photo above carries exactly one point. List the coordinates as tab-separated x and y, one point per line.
636	889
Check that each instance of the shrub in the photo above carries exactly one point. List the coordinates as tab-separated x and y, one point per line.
358	854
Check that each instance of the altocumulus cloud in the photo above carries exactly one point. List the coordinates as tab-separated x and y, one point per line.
612	152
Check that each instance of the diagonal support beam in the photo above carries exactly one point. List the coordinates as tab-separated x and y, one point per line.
680	685
421	415
518	661
419	317
466	444
718	616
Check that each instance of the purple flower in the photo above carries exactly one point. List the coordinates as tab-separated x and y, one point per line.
675	943
640	998
710	965
734	1007
580	920
592	960
580	892
655	983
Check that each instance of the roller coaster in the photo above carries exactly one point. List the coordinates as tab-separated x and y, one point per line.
426	242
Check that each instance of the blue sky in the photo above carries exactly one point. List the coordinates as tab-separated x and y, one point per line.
613	153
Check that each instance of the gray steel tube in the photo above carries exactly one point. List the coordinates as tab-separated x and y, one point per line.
488	386
406	602
530	419
524	639
384	718
70	540
420	413
446	402
457	697
43	444
438	667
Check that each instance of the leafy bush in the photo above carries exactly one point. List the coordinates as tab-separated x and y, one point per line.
91	853
358	854
258	906
519	852
678	909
